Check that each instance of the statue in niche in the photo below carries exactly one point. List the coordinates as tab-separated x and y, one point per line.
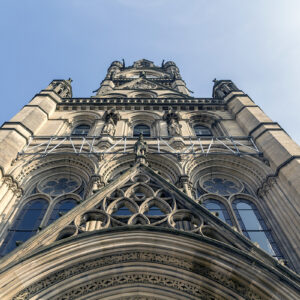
109	127
174	128
172	119
140	147
111	119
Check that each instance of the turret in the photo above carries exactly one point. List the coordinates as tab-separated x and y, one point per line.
178	84
222	88
61	87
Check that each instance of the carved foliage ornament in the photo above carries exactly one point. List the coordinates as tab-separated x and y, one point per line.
144	85
126	278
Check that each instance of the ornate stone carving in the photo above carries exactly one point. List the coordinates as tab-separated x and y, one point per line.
111	119
144	85
140	147
138	277
172	119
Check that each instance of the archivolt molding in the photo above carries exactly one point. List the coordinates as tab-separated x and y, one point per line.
244	169
135	116
205	117
114	166
223	273
86	117
168	167
80	164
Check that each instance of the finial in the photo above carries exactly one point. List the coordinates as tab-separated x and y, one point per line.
70	80
123	60
162	63
215	80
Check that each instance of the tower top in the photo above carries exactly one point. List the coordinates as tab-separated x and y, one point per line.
143	76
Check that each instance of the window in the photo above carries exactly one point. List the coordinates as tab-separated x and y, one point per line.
154	211
202	130
123	211
254	227
218	207
221	186
61	208
81	130
58	185
26	225
141	129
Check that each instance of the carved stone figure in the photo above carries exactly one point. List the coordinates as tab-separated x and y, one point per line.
172	119
109	127
174	128
111	118
144	84
140	147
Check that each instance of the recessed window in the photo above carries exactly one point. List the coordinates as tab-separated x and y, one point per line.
219	208
123	211
81	130
25	225
254	227
154	211
61	208
202	130
141	129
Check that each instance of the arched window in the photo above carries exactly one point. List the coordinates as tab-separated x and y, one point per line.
219	208
61	208
81	130
26	224
202	130
141	128
254	227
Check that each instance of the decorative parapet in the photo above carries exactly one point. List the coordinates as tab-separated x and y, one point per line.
112	100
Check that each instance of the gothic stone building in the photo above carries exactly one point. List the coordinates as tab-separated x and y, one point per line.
145	192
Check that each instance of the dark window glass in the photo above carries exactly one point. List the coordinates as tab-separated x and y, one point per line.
81	130
61	208
123	211
141	128
254	227
218	207
154	211
202	131
25	225
140	195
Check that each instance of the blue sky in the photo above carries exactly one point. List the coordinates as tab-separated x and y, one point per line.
255	43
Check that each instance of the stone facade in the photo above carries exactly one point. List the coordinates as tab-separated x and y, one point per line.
145	192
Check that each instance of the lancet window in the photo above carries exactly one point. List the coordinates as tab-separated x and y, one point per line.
254	227
216	190
219	209
61	208
25	225
54	196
